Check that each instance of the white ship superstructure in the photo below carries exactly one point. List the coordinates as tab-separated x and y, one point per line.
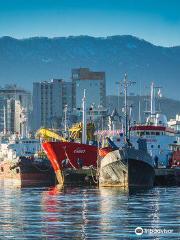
13	147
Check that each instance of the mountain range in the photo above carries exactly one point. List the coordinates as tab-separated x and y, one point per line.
24	61
169	107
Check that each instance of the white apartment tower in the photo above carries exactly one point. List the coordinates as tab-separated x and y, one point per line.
12	99
49	101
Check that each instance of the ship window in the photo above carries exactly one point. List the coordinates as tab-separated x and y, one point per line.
152	146
159	146
142	133
2	169
157	133
147	133
152	133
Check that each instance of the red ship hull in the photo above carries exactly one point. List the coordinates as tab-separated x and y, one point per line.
59	151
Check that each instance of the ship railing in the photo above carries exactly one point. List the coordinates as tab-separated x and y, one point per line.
163	156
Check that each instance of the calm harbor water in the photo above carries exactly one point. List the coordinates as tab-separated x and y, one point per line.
87	213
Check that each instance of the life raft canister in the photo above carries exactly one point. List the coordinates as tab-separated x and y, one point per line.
104	151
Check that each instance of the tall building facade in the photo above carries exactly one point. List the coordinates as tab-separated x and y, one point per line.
12	100
13	116
95	84
49	102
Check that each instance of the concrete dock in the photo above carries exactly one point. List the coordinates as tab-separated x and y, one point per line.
167	177
88	177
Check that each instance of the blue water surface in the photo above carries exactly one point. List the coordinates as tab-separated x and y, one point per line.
88	213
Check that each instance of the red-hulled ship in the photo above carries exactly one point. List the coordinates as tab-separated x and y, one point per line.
64	154
58	152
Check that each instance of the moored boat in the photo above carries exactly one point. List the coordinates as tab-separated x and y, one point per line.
79	151
71	155
162	140
28	172
127	166
20	164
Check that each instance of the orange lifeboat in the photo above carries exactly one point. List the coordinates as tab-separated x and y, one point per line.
104	151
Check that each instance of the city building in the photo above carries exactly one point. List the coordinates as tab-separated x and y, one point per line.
93	82
12	91
13	116
49	101
175	123
12	100
93	114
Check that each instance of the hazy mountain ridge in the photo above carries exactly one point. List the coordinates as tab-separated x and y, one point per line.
166	106
41	58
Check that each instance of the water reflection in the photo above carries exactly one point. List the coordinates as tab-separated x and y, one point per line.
82	213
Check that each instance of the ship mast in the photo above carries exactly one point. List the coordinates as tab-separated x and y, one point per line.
126	84
84	118
125	106
153	109
65	120
5	129
153	100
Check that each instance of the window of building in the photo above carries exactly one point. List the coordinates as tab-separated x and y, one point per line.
157	133
152	146
152	133
159	146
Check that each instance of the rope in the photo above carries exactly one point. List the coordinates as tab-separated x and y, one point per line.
96	182
39	168
69	159
98	162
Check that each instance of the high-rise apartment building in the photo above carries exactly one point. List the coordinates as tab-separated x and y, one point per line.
13	116
95	84
12	100
49	102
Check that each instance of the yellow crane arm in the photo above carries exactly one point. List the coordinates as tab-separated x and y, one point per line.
46	134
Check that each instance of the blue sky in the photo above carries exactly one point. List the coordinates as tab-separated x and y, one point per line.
155	21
